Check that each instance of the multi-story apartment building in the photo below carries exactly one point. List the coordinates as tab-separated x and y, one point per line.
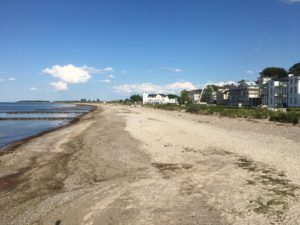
222	95
275	91
245	94
194	95
263	88
293	91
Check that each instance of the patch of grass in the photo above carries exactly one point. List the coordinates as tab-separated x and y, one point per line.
228	111
289	117
170	107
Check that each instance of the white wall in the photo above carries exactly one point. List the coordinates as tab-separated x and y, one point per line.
294	91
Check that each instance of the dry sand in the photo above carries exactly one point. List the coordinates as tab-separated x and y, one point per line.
122	165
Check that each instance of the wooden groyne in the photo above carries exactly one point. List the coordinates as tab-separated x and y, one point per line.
37	118
43	112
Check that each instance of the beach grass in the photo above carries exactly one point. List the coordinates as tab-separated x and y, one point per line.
291	116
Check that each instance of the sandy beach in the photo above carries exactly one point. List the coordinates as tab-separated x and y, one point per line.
124	165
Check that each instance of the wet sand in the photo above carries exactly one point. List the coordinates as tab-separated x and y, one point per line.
122	165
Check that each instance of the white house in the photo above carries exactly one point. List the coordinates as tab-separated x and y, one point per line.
158	99
195	95
276	91
294	91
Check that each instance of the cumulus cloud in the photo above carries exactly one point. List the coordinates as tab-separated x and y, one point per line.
174	70
222	83
33	89
154	88
70	74
111	76
60	86
138	88
180	86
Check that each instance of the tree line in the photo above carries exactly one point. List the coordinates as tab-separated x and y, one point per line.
279	72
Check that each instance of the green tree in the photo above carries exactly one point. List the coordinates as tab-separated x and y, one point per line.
136	98
295	69
184	98
274	72
172	96
208	93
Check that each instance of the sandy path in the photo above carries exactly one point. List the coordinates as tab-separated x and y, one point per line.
143	166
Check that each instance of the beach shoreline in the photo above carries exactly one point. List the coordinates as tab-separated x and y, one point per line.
127	165
15	144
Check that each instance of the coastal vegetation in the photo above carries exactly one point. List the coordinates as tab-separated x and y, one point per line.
278	72
291	116
274	72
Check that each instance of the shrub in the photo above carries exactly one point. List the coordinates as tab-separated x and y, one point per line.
193	108
284	117
169	107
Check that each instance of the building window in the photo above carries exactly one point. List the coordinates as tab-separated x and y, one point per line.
291	90
291	100
271	100
295	90
295	100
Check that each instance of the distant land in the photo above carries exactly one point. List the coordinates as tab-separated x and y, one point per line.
34	101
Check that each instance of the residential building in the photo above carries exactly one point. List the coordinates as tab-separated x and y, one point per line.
158	99
263	88
247	93
276	92
222	94
194	95
293	91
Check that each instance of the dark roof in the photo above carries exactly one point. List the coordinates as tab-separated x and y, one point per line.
154	95
198	91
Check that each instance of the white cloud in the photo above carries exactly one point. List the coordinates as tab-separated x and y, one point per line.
222	83
138	88
174	70
11	79
33	89
70	73
111	76
2	80
154	88
180	86
60	86
105	81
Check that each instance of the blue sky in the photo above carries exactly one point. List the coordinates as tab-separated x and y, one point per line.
109	49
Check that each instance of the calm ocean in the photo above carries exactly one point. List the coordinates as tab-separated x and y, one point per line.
14	130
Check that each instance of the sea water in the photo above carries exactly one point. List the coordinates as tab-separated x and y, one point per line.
14	130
